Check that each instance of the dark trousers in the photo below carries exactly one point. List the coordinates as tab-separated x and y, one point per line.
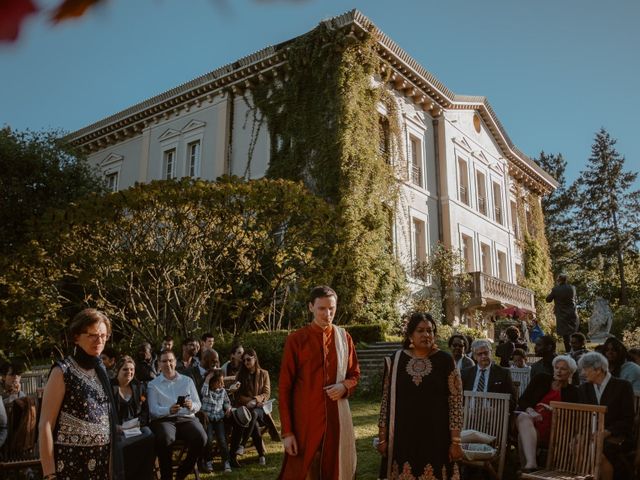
167	431
139	455
567	342
216	430
238	433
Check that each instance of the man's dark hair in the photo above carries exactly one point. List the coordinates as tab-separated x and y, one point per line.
461	337
580	336
207	335
188	340
13	368
549	343
167	338
322	291
520	352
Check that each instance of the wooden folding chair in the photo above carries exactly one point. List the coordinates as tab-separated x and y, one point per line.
488	413
522	376
575	446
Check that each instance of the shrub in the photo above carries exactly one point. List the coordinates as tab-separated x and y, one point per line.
366	333
268	346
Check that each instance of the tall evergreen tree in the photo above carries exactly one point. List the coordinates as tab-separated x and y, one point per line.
557	208
608	210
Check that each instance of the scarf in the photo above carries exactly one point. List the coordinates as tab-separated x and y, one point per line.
89	362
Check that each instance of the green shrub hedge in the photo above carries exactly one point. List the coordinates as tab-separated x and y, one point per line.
366	333
268	346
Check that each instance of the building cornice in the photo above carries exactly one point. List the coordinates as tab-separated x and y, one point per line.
407	76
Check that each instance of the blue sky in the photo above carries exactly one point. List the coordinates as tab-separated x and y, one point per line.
555	71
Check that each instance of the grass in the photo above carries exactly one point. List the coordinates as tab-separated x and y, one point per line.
365	419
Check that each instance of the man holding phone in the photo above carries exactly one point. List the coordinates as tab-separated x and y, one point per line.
173	403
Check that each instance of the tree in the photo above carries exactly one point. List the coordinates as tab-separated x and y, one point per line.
557	208
176	257
37	172
607	211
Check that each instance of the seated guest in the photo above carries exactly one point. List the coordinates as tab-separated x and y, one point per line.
231	367
4	430
578	348
616	394
519	359
173	402
10	388
534	419
470	340
620	363
109	356
207	340
634	354
510	343
145	364
458	347
216	405
486	376
129	395
545	347
190	348
210	360
254	391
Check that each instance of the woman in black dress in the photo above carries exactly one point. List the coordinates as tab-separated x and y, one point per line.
421	410
130	396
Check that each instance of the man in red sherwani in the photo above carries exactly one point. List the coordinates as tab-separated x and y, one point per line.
319	372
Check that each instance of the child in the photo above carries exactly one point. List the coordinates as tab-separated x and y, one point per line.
216	405
519	358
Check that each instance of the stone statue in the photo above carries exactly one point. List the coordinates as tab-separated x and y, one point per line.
600	321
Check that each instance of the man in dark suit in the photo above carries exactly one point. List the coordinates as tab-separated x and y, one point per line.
616	394
563	296
486	376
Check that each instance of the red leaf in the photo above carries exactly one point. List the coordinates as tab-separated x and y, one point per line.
12	14
72	9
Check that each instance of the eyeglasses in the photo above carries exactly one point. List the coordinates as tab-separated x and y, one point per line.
94	337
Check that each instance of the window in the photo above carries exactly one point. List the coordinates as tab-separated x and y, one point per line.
384	139
519	273
481	190
463	181
193	153
485	254
497	203
514	218
420	247
467	252
169	164
415	154
111	179
502	266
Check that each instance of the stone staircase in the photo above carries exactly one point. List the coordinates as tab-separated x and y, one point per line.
371	360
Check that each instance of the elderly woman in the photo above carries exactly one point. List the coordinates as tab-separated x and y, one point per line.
130	397
534	419
602	388
620	362
78	420
421	410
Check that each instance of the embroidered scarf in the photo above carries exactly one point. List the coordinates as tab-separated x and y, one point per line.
347	447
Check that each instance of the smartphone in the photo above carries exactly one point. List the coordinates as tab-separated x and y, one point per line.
181	400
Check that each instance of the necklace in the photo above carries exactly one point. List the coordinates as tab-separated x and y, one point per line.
418	368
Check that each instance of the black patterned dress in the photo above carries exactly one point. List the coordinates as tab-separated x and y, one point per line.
82	433
421	403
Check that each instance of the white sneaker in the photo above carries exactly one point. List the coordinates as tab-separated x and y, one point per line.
240	450
227	467
262	461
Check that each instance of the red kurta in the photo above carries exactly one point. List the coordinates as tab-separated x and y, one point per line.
309	363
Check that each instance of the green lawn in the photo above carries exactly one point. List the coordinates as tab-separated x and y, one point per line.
365	419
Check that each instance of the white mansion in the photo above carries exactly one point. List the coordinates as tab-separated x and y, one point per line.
463	170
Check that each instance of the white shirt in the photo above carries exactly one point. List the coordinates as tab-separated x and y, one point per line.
486	377
163	393
599	389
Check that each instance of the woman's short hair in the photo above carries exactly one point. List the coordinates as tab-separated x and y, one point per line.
465	344
571	363
86	318
594	360
481	342
415	319
124	359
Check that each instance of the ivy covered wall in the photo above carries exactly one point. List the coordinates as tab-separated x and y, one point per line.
324	127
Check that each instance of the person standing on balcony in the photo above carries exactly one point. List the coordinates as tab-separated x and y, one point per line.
563	296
